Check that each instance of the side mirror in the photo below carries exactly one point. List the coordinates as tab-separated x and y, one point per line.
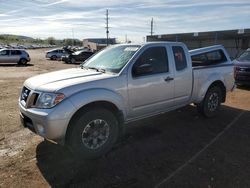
143	69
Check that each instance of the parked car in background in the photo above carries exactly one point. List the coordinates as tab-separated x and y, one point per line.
77	57
55	54
242	68
20	57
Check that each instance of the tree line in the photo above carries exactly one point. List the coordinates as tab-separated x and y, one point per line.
8	39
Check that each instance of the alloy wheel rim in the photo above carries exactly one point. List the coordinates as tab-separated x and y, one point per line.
95	134
213	102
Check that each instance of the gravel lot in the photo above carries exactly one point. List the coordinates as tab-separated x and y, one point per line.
176	149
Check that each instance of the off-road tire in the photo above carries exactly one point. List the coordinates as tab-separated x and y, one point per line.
208	107
78	125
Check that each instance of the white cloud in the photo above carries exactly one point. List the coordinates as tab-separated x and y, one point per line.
55	3
58	17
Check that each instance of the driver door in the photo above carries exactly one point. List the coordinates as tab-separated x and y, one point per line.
151	91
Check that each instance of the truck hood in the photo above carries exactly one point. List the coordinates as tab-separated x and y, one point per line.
54	81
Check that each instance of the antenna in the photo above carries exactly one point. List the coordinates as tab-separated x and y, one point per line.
107	26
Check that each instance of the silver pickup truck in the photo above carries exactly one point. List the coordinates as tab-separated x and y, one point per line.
86	108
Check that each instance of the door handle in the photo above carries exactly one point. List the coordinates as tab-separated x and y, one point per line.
168	79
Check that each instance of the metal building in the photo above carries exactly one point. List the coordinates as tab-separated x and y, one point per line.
96	44
235	41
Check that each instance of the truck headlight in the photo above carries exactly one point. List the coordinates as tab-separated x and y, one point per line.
49	100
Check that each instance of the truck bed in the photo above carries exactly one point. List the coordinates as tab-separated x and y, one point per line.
208	63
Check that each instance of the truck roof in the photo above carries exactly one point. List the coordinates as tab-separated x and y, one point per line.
151	43
205	49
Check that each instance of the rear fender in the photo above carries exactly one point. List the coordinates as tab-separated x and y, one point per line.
204	86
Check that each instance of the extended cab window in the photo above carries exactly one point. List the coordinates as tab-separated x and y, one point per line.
179	58
209	58
16	52
153	60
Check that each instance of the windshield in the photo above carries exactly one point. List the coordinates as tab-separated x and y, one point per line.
112	59
245	56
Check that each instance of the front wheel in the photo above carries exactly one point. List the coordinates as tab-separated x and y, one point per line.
211	102
93	133
53	57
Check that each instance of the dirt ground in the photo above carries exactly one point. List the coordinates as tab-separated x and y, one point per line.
176	149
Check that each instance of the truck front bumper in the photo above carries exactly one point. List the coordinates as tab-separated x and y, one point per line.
47	123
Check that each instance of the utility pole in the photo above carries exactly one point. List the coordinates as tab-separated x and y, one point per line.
107	26
152	27
73	40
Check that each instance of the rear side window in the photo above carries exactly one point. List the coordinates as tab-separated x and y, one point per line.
209	58
87	54
179	58
157	57
16	52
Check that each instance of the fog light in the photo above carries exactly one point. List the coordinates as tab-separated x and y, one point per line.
40	128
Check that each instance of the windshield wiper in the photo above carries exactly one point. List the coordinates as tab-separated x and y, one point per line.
83	67
97	69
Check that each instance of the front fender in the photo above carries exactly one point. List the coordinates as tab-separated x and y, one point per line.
85	97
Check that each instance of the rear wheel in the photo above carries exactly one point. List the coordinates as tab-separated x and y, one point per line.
22	61
211	102
53	57
72	60
93	133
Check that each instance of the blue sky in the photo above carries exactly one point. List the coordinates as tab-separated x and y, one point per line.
44	18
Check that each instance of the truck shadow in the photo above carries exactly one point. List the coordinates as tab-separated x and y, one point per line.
149	151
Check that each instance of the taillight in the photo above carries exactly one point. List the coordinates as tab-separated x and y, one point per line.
236	69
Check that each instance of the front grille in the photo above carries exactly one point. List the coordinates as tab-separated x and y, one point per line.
244	69
32	100
28	98
243	78
25	94
247	69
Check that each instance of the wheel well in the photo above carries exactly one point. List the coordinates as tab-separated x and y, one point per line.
220	85
22	58
19	62
104	104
